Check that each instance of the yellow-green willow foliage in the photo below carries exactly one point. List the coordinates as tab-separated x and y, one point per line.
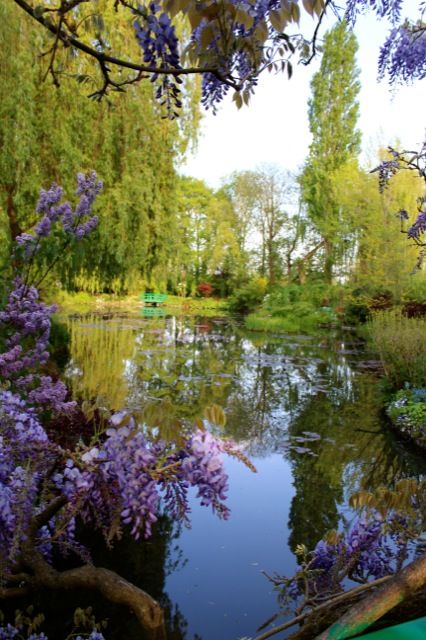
49	134
100	352
378	254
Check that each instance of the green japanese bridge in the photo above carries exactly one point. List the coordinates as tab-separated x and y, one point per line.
153	298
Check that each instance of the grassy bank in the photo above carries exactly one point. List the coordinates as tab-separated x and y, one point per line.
291	324
401	344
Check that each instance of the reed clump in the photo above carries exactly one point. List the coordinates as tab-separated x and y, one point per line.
401	344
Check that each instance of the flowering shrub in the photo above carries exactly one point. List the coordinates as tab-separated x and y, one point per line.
205	289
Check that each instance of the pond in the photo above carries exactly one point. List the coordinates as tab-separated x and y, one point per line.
306	409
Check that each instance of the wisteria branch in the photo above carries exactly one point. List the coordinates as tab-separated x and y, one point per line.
103	59
344	597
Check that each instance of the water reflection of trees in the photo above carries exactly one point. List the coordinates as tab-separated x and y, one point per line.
273	391
353	453
100	351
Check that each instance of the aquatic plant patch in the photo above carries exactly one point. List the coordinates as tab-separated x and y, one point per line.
408	413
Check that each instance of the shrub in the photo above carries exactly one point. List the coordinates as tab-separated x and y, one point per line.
305	320
248	297
408	413
416	290
318	295
401	344
362	301
205	290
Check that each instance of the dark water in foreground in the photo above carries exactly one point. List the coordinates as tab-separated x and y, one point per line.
308	411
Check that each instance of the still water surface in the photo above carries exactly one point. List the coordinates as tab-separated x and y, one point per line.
308	411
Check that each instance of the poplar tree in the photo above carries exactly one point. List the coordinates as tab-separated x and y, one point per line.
333	114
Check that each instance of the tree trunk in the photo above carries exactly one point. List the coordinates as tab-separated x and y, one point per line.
271	265
303	261
12	216
329	260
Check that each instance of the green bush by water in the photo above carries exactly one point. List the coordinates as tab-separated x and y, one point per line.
408	413
294	308
248	297
401	344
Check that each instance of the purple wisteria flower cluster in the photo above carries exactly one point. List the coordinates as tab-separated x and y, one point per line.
157	38
373	547
238	65
77	222
25	325
139	476
231	41
403	54
122	479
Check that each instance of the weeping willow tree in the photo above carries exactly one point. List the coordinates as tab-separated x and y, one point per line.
50	133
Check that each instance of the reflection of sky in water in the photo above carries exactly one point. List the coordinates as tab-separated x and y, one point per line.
307	410
221	590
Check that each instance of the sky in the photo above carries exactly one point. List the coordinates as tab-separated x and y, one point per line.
274	128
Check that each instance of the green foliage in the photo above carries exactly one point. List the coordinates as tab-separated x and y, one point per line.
379	255
401	344
297	308
248	297
333	114
408	412
362	301
316	294
49	134
415	291
302	318
59	343
205	243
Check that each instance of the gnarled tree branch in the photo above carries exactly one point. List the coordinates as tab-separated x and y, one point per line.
370	609
108	583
